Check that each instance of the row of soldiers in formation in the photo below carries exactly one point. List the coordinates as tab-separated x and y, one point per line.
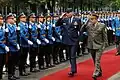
42	39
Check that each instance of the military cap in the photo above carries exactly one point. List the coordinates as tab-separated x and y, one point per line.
21	14
69	10
40	15
32	14
9	15
94	16
14	15
55	15
1	15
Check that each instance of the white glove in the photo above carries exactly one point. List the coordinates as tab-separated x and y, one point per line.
53	38
47	27
46	40
60	37
62	15
107	28
53	25
6	30
30	42
38	41
110	28
114	30
30	26
18	47
38	25
7	49
113	33
18	28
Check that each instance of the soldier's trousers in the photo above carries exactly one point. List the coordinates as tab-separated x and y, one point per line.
2	62
48	52
96	56
67	48
33	53
84	44
118	43
12	60
72	52
110	36
40	56
61	54
55	54
23	58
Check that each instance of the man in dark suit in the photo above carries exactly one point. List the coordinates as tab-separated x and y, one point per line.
70	28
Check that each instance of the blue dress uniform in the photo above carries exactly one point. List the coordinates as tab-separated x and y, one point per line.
44	42
116	28
70	28
57	44
24	37
3	52
13	46
34	48
110	31
84	38
49	46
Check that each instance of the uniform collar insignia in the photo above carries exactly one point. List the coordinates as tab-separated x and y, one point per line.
75	23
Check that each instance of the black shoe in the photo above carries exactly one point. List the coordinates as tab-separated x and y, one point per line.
42	68
56	63
11	78
71	74
34	70
97	75
23	74
117	54
16	77
50	66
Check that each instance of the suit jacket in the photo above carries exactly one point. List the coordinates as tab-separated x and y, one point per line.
97	36
69	30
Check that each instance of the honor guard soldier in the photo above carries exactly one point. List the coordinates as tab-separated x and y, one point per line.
70	26
58	38
13	45
34	48
51	39
116	28
44	41
24	42
4	49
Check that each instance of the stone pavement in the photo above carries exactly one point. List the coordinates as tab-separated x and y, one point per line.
42	73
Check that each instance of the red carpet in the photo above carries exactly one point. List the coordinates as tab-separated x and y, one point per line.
110	66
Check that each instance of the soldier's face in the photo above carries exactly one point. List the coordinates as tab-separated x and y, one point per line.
49	18
1	20
93	20
41	19
11	20
118	15
23	18
69	14
32	18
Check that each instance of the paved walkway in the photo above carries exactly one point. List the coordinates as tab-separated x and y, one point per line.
42	73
